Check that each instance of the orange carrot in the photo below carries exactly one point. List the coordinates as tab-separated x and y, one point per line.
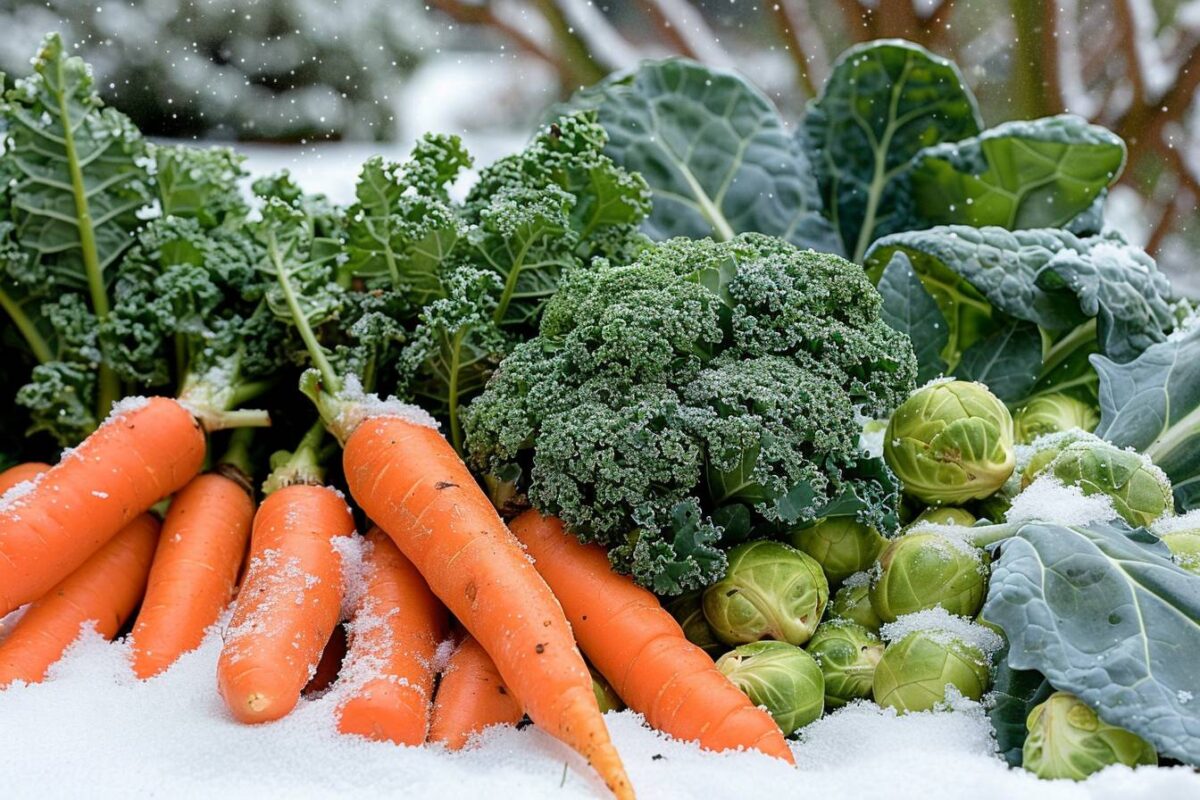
20	474
330	664
471	697
105	590
394	636
289	603
136	458
195	569
640	648
411	482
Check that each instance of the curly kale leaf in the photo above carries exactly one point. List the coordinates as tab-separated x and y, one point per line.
456	346
200	183
703	374
402	226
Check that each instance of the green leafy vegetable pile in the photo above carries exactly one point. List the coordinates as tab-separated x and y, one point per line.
957	465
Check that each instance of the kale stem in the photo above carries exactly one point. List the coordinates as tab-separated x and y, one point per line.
109	389
35	340
332	384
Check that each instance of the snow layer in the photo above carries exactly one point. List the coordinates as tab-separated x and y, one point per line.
94	731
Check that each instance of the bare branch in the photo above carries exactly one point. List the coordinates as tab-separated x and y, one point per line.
685	26
483	14
794	20
860	22
897	18
1134	68
604	43
937	26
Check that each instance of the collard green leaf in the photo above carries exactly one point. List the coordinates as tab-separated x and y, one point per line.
883	103
1041	173
1107	616
1096	293
714	151
1007	362
1153	404
1120	286
909	308
1014	694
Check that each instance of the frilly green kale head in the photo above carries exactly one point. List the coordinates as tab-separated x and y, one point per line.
705	388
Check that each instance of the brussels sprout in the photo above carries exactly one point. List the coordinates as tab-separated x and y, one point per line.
946	516
1043	452
841	545
853	603
1185	548
780	677
606	696
1067	740
924	570
770	591
1140	492
847	654
1053	413
688	611
950	442
913	673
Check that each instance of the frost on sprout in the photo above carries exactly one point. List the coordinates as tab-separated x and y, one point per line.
1171	524
1047	499
943	628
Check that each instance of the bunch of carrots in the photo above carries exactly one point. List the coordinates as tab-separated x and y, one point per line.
79	543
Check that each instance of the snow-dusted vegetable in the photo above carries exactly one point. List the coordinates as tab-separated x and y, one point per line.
780	677
950	442
841	545
770	591
847	654
916	671
1068	740
920	571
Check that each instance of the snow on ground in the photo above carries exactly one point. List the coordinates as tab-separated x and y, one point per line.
94	731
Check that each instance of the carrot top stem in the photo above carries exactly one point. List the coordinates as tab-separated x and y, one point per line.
304	465
212	397
236	458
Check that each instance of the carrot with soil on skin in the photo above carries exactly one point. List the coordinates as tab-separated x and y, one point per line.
640	648
104	590
21	473
409	480
196	565
141	454
471	697
394	635
291	598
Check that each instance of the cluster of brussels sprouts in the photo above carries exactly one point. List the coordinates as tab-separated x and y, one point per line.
838	612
